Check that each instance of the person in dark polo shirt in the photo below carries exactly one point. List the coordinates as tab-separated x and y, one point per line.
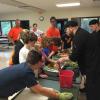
13	79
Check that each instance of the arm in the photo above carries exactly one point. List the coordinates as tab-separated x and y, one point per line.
49	92
10	34
10	39
69	40
62	46
51	54
78	48
22	56
79	45
62	41
63	59
48	59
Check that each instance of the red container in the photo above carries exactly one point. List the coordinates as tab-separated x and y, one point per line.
66	78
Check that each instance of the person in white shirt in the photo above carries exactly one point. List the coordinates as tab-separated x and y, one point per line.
29	41
37	32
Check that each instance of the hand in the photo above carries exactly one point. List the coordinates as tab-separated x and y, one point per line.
12	42
61	60
65	96
57	66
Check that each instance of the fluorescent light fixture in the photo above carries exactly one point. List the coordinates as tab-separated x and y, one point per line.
68	4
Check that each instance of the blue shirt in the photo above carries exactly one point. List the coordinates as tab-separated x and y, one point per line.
13	79
46	51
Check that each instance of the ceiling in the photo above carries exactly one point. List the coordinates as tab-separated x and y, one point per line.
7	9
41	5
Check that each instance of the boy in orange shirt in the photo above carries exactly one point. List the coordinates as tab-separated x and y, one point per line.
53	31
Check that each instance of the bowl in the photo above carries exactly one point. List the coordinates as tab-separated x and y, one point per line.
51	71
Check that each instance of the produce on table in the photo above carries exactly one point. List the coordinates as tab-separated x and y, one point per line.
71	64
50	69
65	96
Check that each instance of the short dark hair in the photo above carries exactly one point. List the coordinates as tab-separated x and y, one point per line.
57	41
33	57
45	40
71	24
52	18
22	34
34	24
29	37
94	21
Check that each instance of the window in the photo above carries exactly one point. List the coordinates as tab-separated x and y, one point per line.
85	23
61	25
5	26
13	23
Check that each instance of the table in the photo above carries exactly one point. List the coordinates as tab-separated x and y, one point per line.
28	95
4	42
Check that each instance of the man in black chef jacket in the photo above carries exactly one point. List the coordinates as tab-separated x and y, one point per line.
93	63
79	48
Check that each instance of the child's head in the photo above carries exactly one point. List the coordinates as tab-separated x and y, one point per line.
23	34
30	39
45	42
34	59
56	41
38	47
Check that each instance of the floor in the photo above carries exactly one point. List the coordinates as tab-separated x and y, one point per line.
4	58
5	54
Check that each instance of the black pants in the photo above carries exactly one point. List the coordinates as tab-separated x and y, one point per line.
93	93
93	88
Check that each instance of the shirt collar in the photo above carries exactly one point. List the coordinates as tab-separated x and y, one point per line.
21	41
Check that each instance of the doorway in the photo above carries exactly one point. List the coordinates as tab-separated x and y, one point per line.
61	24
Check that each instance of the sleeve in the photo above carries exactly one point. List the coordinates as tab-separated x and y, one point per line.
22	57
55	48
30	80
78	48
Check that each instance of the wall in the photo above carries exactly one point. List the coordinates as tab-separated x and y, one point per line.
43	25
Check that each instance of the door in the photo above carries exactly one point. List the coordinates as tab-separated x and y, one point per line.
25	24
61	25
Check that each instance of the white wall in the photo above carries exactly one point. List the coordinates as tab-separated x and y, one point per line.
43	25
